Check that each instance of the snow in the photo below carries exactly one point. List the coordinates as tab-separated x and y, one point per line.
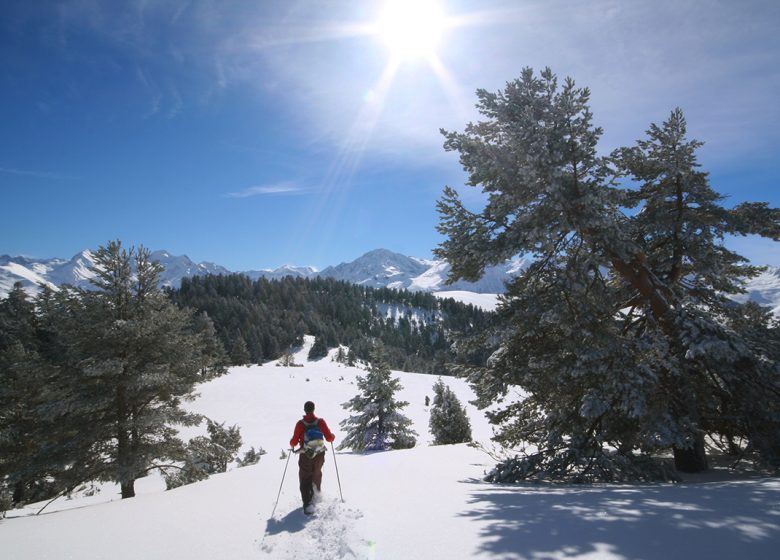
487	302
81	266
764	289
14	271
431	278
422	503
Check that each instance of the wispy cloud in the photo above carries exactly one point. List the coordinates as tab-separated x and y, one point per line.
284	188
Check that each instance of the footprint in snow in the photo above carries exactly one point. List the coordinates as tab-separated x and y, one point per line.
328	533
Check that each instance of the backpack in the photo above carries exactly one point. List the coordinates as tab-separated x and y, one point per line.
313	438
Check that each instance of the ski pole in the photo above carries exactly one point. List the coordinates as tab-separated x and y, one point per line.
282	484
337	471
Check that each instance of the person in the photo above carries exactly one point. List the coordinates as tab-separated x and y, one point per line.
309	434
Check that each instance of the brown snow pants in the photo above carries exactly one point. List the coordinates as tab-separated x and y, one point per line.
310	475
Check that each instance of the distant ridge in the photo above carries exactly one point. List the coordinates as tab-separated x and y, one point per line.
378	268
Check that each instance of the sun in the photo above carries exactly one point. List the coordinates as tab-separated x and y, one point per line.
411	28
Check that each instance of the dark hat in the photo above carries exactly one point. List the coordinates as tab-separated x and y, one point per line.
308	408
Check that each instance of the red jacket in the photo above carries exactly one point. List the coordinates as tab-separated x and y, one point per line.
297	438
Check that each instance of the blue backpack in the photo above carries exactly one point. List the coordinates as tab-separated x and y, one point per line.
313	438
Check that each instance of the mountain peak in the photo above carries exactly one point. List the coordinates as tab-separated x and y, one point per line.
378	268
381	254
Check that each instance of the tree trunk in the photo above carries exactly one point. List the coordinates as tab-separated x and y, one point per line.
128	489
124	458
692	459
19	491
660	298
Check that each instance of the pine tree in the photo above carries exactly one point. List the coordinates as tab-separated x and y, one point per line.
25	396
239	353
287	359
6	502
378	425
128	358
319	349
17	318
618	343
212	347
681	229
449	422
341	356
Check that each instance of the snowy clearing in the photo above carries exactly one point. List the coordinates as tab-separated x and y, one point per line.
422	503
486	302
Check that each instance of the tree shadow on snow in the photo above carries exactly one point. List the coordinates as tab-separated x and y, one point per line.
714	520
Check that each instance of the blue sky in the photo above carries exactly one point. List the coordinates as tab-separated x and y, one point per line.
254	134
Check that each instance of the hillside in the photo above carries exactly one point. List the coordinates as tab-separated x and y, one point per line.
266	317
422	503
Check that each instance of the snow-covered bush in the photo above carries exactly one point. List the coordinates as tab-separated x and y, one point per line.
189	473
206	455
251	457
217	450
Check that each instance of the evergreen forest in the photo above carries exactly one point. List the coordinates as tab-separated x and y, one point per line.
261	320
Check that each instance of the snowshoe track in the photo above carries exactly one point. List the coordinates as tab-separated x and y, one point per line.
327	534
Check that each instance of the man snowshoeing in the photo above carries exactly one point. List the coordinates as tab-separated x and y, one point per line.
310	434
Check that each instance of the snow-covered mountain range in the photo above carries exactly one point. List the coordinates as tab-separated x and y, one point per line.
378	268
76	271
383	268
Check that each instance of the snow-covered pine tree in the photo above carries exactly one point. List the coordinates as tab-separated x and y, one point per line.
681	229
378	424
449	422
617	361
127	357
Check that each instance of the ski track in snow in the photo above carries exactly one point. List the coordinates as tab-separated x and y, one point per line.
329	533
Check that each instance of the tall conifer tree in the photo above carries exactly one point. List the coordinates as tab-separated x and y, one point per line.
24	375
611	331
132	358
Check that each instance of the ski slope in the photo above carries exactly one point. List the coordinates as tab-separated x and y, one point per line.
423	503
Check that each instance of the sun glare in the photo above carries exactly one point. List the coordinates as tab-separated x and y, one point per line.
411	28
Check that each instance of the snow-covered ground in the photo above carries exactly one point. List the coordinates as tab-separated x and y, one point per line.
487	302
422	503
